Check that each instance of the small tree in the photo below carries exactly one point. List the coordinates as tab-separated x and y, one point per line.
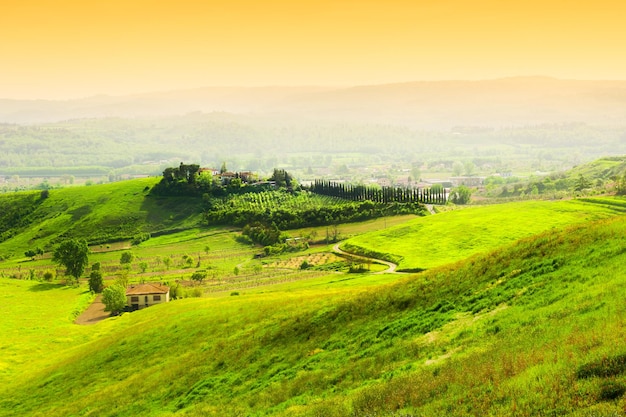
167	261
436	188
73	254
114	298
96	282
199	276
176	291
620	185
127	257
122	280
143	266
582	183
460	195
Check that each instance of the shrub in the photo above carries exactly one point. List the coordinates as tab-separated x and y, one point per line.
195	292
460	195
605	367
176	291
243	239
48	275
126	257
611	390
140	238
357	268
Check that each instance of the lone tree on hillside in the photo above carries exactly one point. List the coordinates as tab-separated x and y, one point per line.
73	254
114	298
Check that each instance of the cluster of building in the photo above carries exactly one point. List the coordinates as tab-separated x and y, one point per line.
225	178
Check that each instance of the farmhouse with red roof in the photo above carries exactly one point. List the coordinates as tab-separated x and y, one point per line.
145	295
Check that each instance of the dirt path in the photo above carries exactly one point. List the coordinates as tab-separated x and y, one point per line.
391	267
94	313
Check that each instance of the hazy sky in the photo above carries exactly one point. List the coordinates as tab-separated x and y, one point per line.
77	48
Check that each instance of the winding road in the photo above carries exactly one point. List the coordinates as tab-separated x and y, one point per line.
391	267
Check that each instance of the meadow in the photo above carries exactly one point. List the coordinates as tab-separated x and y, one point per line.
536	326
428	242
100	213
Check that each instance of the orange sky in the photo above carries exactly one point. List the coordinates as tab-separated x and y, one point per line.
77	48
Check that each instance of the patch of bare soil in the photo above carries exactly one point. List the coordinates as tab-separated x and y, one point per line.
94	313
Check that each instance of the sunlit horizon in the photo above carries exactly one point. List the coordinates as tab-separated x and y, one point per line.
68	49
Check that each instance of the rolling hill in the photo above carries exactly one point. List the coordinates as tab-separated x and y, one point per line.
535	326
424	243
98	213
495	326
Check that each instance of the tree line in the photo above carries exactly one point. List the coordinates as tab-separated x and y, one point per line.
379	194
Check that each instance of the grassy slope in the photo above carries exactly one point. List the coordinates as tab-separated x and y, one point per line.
498	334
603	168
447	237
35	318
98	213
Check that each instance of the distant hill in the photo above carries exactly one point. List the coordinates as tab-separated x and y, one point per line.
517	101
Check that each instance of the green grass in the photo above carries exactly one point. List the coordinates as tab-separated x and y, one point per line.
508	328
603	168
36	326
100	213
503	333
454	235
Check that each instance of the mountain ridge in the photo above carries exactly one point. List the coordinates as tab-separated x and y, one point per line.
426	104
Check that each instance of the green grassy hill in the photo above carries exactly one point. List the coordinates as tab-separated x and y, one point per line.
447	237
603	169
97	213
536	327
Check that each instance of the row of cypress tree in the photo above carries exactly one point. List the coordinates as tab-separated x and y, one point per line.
379	194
